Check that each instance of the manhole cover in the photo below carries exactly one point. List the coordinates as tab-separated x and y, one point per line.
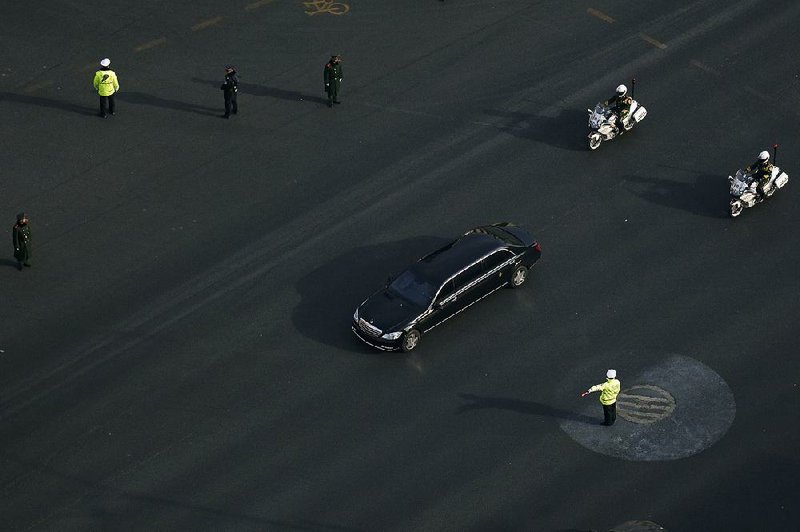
645	404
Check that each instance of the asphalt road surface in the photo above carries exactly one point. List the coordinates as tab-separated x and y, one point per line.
179	356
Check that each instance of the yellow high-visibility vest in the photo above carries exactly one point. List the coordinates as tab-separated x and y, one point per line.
105	82
608	391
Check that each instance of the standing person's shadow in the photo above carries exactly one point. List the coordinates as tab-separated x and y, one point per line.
6	262
478	402
141	98
271	92
47	102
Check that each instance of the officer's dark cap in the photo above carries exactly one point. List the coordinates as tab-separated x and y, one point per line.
20	216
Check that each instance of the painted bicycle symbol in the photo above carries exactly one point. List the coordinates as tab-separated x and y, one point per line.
317	7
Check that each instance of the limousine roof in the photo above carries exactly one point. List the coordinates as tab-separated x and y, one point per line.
454	257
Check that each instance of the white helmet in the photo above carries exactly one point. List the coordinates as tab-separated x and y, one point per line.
105	62
763	156
621	90
611	374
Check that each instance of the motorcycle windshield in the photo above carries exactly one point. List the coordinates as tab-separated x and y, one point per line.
741	181
598	116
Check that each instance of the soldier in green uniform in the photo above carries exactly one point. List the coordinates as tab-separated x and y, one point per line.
333	79
21	234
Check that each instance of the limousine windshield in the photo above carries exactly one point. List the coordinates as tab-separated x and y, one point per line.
413	288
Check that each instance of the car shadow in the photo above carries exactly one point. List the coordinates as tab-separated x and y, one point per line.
330	293
567	131
48	102
142	98
477	402
270	92
707	196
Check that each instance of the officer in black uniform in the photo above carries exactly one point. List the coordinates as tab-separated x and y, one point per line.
761	170
332	76
21	236
230	87
620	103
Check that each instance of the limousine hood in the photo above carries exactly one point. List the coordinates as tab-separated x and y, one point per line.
387	311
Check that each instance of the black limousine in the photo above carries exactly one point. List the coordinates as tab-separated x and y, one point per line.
443	283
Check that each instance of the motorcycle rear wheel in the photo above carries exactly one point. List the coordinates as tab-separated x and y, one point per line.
736	208
594	142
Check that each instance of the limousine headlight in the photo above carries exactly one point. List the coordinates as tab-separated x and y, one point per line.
392	335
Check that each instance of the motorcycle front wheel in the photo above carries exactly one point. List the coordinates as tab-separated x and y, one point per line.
736	208
594	141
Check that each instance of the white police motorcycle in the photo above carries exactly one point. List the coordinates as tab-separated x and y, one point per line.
744	191
603	120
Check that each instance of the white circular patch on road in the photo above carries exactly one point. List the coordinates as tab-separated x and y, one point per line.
672	410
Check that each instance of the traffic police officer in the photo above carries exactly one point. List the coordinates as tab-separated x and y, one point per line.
761	170
608	396
333	79
21	236
230	88
620	103
106	84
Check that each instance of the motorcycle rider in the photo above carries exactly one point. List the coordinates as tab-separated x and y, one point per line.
620	103
761	170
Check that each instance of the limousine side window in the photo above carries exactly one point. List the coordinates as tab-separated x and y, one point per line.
467	276
496	259
446	291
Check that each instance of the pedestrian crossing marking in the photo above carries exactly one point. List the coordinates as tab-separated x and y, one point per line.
599	14
206	23
150	44
704	67
658	44
256	5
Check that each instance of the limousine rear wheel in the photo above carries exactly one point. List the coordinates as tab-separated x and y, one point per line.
410	340
519	276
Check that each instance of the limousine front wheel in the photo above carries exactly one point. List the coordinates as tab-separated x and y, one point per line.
519	276
410	340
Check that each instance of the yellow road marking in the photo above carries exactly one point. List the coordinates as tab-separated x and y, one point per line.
600	15
326	6
657	44
150	44
256	5
37	86
206	23
704	67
